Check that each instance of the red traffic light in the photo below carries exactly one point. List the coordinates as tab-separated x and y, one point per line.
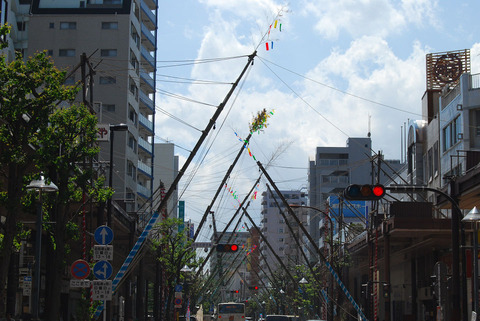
227	247
255	287
364	192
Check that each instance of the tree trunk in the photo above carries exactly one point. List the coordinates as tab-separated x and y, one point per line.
15	176
56	265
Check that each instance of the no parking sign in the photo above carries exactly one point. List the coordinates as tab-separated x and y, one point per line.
80	269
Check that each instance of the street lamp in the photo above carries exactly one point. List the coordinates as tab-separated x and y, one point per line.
41	186
474	216
113	128
326	215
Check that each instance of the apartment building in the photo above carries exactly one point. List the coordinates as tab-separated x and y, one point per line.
276	230
114	43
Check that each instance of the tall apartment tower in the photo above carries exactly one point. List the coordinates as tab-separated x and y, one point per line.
117	39
333	169
277	232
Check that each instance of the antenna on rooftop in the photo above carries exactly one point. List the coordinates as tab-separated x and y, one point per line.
369	127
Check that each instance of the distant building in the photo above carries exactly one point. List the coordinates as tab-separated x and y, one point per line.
276	231
166	170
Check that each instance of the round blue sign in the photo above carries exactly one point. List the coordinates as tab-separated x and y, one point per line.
102	270
103	235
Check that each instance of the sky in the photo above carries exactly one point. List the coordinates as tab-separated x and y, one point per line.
335	69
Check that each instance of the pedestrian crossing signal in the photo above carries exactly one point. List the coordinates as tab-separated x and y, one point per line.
227	247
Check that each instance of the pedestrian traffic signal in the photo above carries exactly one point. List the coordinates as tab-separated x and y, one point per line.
227	247
364	192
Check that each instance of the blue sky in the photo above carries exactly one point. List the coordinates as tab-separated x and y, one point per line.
337	68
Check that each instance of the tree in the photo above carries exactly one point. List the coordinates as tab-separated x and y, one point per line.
176	252
29	92
68	140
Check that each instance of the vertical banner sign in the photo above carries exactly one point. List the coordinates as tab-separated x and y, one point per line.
181	215
130	258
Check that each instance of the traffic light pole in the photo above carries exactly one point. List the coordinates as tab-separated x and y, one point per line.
455	227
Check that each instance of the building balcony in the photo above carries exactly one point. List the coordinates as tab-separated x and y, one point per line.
147	124
147	84
147	102
146	146
148	61
143	191
148	39
148	17
145	169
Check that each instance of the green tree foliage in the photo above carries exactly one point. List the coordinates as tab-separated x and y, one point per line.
64	146
175	252
29	92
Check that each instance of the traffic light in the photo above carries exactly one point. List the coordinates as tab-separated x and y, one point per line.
386	290
364	192
227	247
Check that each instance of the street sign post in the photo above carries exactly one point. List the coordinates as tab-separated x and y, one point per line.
27	285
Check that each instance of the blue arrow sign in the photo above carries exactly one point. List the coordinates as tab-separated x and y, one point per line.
103	235
102	270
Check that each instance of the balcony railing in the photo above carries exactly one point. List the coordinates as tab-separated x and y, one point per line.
144	168
145	145
145	122
146	100
146	192
475	81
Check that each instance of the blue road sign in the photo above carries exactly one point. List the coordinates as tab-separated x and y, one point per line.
178	288
103	235
102	270
80	269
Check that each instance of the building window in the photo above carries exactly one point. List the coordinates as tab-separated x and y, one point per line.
51	25
107	80
477	122
109	107
132	143
430	164
110	25
108	52
134	62
133	87
132	114
66	52
131	170
68	25
450	133
50	52
134	35
21	25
